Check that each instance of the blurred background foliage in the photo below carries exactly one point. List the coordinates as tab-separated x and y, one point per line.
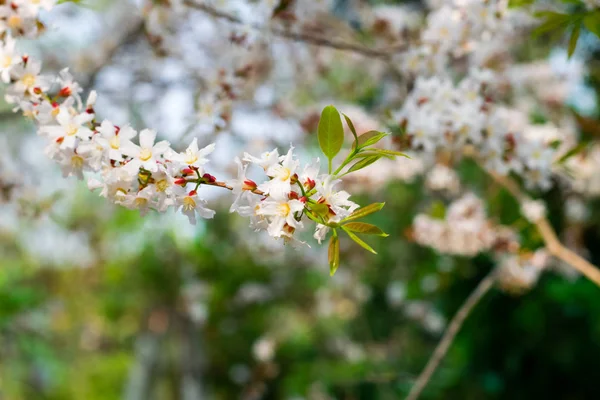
166	311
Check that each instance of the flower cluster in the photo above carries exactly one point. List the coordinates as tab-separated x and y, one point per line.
439	116
518	273
465	229
134	170
456	28
291	192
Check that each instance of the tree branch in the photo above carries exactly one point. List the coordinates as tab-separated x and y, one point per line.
453	328
555	247
304	37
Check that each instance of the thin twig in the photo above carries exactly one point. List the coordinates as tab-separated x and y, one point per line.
304	37
453	328
555	247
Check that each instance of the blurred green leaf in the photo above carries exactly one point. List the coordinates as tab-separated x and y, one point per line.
574	38
592	22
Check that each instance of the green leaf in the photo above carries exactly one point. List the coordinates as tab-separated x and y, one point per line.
330	133
367	229
386	153
334	254
359	241
573	152
369	138
364	211
365	162
519	3
574	38
352	129
553	21
592	22
438	210
320	209
555	144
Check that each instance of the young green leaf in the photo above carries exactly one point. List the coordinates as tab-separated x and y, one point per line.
352	129
384	152
592	22
359	241
330	133
366	229
369	138
553	21
364	211
320	209
365	162
574	38
334	254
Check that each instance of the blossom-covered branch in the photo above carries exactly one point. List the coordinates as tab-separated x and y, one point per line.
134	170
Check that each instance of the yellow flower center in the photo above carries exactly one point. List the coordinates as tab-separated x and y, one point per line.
72	130
141	202
14	21
76	162
145	154
189	204
283	209
115	142
28	80
55	112
190	157
162	185
285	174
7	61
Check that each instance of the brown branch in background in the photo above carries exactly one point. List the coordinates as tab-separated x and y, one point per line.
317	40
453	328
555	247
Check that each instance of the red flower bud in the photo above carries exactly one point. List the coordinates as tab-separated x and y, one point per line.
294	179
187	171
192	193
249	185
65	92
37	90
181	181
309	184
293	196
209	178
303	199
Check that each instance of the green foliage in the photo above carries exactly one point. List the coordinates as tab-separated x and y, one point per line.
330	133
557	23
334	253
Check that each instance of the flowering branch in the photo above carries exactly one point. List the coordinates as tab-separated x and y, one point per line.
449	335
304	37
150	175
555	247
